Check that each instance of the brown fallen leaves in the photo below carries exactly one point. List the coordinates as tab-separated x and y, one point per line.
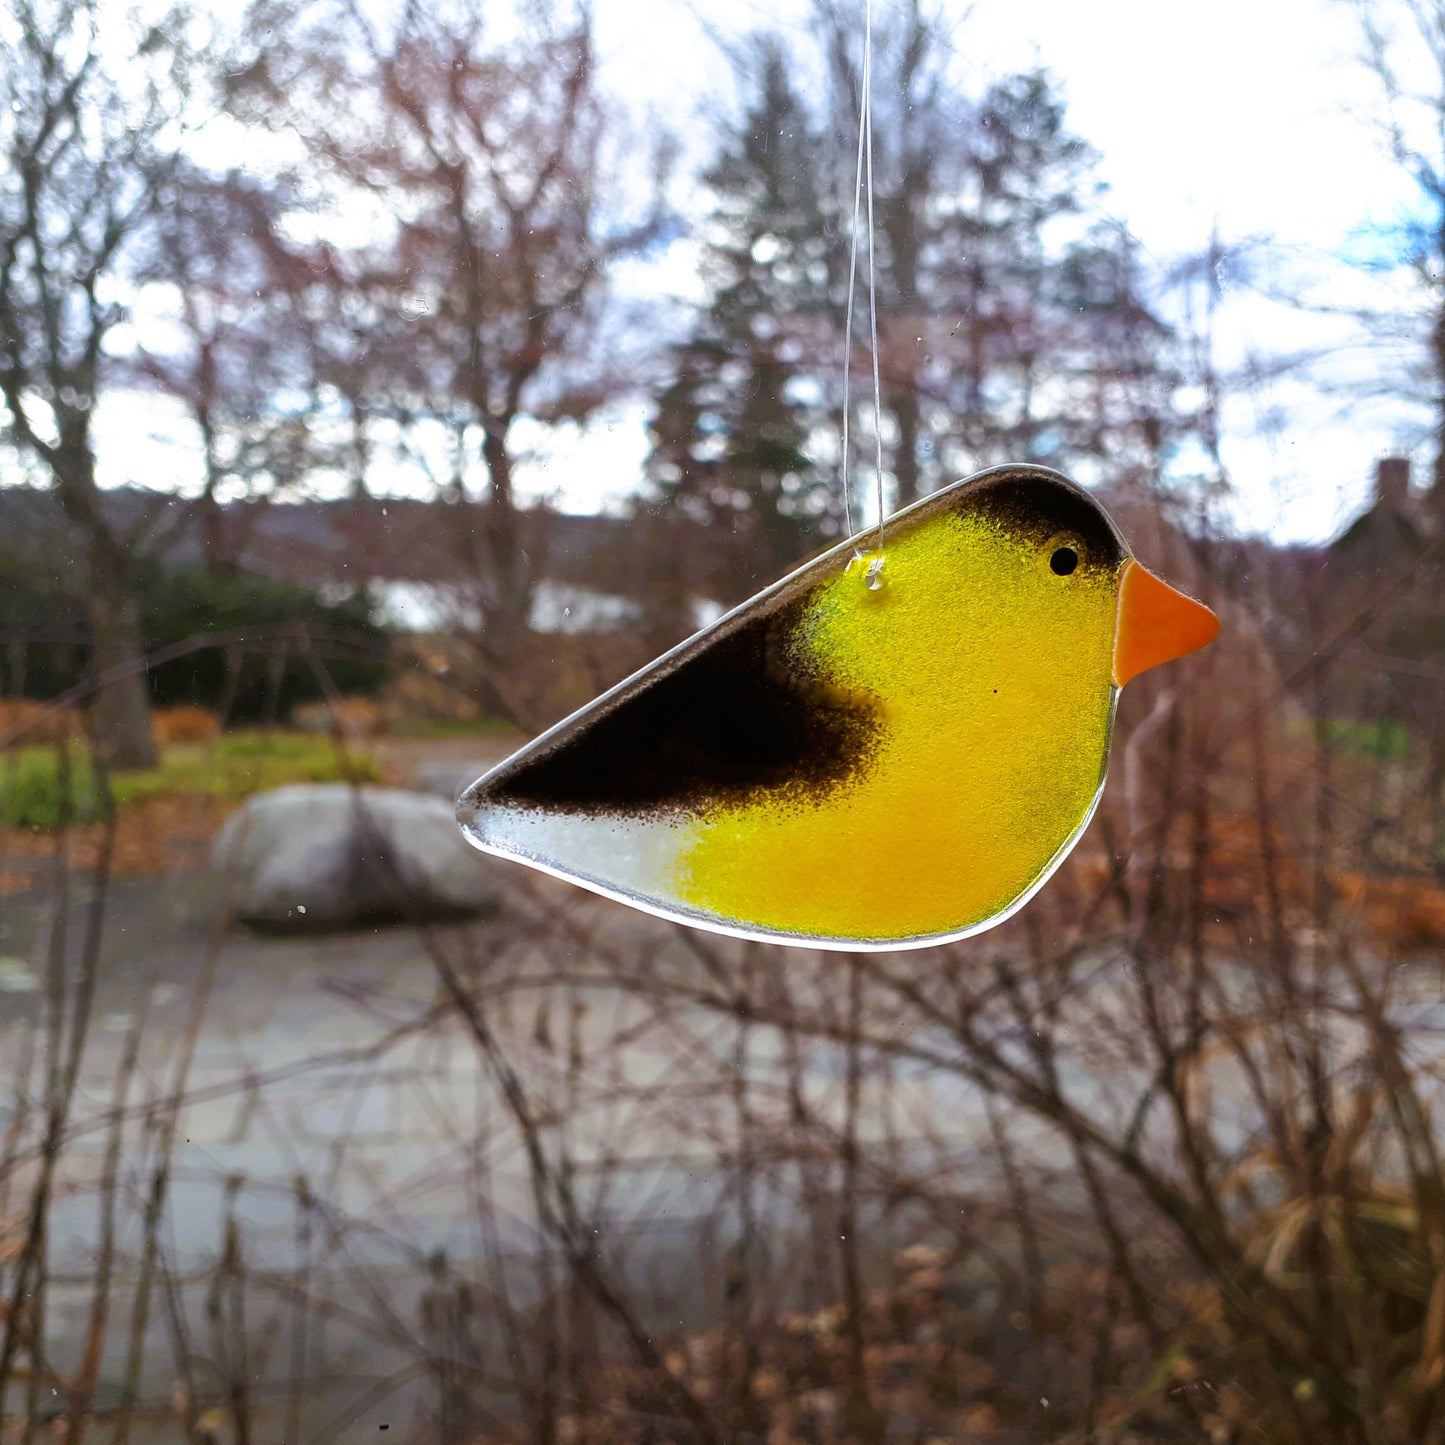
1252	880
928	1371
152	835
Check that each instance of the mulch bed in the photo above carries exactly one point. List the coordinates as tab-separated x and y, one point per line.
153	835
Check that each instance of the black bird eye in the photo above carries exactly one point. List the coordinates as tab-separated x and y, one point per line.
1063	562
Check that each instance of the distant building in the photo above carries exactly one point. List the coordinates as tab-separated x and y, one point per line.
1388	538
1379	626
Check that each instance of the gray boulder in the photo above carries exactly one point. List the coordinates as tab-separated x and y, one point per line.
325	855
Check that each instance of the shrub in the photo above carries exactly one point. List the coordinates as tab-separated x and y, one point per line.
34	723
282	626
50	621
33	793
1385	740
184	724
278	629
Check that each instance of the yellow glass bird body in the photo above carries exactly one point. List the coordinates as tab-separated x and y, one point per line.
861	756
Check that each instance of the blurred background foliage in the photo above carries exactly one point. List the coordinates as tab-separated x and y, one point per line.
234	642
470	302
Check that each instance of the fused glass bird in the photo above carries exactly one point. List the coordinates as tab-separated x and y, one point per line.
861	756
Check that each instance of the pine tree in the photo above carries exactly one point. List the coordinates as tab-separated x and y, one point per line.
1013	318
1063	360
1014	323
731	436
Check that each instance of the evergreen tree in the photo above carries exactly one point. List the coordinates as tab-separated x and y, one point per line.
1014	322
1059	359
1117	371
1013	319
732	431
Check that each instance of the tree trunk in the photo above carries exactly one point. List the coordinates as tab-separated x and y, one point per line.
120	718
214	556
904	224
120	722
905	462
498	555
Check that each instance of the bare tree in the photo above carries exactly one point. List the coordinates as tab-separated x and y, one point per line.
89	124
242	359
501	212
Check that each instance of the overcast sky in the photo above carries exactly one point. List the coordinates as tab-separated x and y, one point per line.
1254	116
1239	110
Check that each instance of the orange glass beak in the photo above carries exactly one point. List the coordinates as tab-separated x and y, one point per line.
1155	623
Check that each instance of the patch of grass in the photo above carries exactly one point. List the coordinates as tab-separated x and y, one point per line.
235	765
1386	741
33	793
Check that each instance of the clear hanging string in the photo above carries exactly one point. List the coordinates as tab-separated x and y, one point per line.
863	170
